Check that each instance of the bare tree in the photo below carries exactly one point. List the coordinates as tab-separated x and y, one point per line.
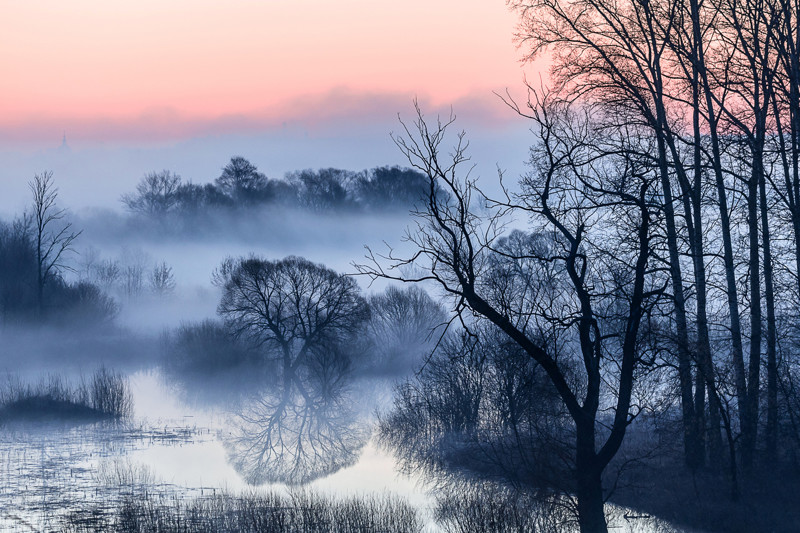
156	194
162	281
596	199
134	265
404	326
53	237
107	273
293	306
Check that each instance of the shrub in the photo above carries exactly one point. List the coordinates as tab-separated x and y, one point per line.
110	394
204	349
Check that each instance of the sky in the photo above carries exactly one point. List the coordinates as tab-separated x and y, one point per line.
185	84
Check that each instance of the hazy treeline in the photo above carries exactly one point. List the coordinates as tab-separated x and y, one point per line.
48	270
44	279
296	352
132	273
241	185
302	319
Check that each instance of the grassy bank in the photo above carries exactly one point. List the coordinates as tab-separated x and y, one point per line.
104	395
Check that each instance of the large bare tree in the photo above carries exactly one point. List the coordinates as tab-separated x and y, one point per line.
592	191
292	307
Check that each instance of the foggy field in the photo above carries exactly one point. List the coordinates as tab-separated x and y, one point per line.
186	447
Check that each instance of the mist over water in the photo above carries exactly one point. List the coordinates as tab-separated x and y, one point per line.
222	405
366	266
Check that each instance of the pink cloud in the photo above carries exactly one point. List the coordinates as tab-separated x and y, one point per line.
321	113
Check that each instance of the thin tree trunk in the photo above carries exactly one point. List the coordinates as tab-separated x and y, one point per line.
772	361
691	440
692	453
737	350
750	419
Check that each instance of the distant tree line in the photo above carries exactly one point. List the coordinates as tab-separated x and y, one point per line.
241	185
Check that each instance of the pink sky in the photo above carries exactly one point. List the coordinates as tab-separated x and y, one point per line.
177	68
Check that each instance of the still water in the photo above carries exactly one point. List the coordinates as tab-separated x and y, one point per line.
269	442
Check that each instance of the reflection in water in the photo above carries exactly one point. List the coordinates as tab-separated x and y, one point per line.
303	429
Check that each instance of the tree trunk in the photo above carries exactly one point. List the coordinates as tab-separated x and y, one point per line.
772	360
591	516
690	440
750	420
695	224
727	255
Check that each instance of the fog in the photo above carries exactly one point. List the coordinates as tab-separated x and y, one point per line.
227	389
336	240
221	325
315	267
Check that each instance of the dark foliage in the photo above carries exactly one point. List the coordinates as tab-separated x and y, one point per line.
241	186
404	326
79	304
481	407
390	187
205	349
17	270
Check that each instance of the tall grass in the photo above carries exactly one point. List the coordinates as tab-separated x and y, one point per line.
252	513
110	394
106	394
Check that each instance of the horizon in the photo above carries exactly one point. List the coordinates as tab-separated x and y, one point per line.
185	86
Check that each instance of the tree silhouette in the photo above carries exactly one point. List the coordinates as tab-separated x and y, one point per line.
52	236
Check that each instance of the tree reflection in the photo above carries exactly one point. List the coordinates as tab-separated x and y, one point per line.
303	429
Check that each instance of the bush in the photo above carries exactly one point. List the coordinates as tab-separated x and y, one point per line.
110	394
206	348
493	508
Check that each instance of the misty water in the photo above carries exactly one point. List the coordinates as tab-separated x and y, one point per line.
51	470
229	434
170	449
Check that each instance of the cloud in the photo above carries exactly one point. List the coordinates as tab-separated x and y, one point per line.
314	114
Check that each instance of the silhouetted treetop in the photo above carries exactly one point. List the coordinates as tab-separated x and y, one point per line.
156	194
292	306
241	185
241	180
